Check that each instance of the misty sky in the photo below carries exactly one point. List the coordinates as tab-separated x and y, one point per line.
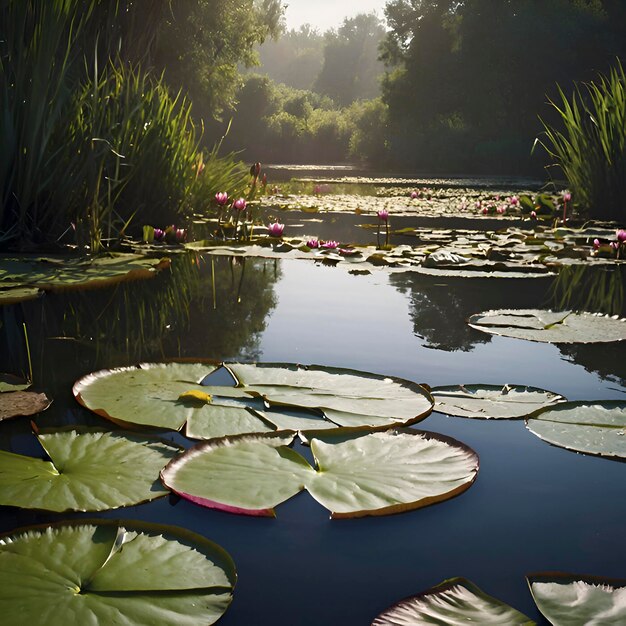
324	14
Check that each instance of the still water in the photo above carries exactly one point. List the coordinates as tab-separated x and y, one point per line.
533	507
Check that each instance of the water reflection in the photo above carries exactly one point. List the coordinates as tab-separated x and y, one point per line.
202	307
439	307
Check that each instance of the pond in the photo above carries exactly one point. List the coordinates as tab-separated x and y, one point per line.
534	507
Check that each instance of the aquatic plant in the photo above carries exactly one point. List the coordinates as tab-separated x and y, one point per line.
276	229
590	147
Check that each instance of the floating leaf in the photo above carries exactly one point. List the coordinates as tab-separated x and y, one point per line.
358	473
18	293
9	382
21	403
597	428
150	395
550	326
454	601
87	471
109	572
572	600
492	401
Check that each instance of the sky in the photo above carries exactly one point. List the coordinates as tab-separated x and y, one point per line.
325	14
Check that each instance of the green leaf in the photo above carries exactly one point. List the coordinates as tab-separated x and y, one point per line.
18	293
597	428
550	326
22	403
109	572
150	395
358	473
88	471
492	401
572	600
453	602
8	382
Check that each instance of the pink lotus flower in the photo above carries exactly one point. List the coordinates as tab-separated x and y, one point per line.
621	235
596	244
312	243
221	198
383	215
533	215
240	204
276	229
414	195
330	245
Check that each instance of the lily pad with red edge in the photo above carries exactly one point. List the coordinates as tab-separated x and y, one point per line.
22	403
112	572
572	599
87	470
492	401
264	398
590	427
550	326
358	472
454	601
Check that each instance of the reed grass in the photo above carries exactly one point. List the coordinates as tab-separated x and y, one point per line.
590	149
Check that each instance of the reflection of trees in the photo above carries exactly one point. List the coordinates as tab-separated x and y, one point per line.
440	306
608	360
171	315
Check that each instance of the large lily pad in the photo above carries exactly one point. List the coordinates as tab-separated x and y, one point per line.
453	602
492	401
158	395
87	471
597	428
572	600
550	326
106	572
22	403
357	474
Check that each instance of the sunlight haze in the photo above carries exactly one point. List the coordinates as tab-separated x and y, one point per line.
325	14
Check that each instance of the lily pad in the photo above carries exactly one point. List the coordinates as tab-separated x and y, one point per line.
492	401
454	601
18	293
22	403
550	326
9	382
597	428
572	600
87	471
162	395
357	473
109	572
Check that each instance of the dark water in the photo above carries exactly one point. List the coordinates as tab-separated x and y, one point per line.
533	507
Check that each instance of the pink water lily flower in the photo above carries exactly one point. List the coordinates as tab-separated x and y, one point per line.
240	204
414	195
514	200
159	233
533	215
330	245
485	210
567	196
383	215
276	229
500	210
221	198
312	243
181	235
621	235
596	244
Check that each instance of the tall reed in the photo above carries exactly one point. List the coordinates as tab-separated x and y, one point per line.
590	149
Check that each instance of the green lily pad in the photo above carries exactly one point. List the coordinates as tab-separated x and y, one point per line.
110	572
9	382
597	428
358	473
150	395
492	401
550	326
87	471
572	600
452	602
18	293
62	274
22	403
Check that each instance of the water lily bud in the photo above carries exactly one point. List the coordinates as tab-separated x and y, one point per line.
383	215
614	245
596	243
485	210
414	195
533	215
514	200
567	196
621	235
240	204
181	234
221	198
264	180
158	234
276	229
